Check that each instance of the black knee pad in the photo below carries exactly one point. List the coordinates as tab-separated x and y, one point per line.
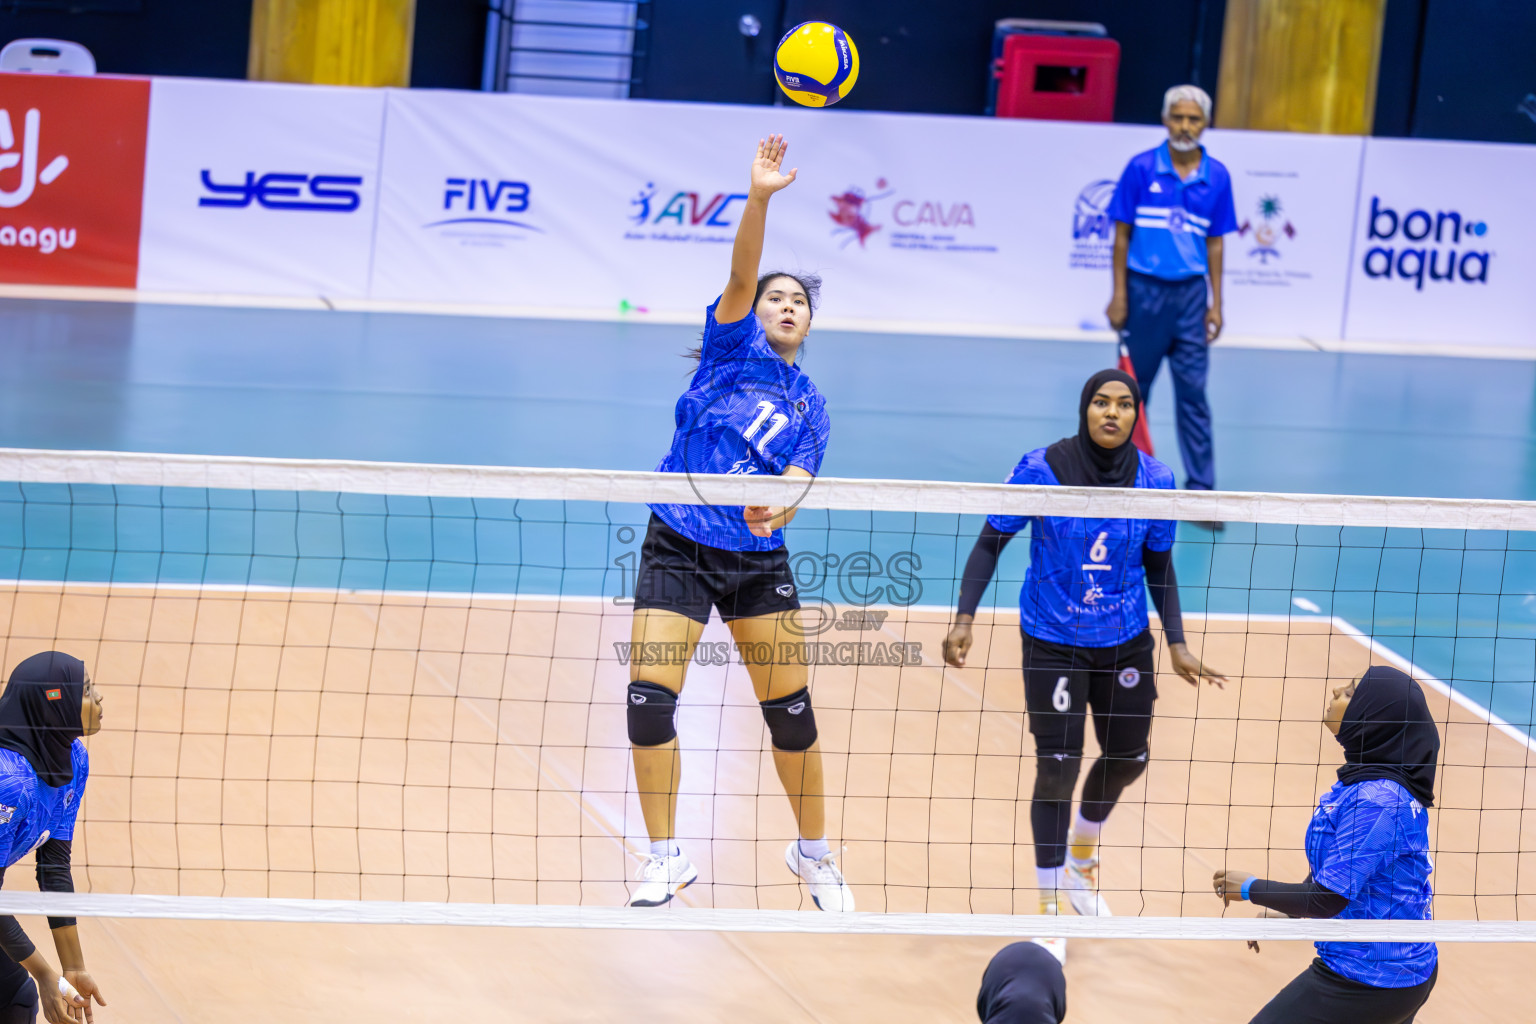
652	715
1120	770
791	722
1056	776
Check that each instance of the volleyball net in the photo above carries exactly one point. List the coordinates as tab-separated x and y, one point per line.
385	692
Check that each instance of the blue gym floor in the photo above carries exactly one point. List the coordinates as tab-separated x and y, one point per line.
205	380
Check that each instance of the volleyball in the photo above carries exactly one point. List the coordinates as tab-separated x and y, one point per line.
816	64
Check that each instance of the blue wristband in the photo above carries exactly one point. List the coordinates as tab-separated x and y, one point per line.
1249	884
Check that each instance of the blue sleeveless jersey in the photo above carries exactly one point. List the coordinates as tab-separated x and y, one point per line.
1369	843
745	411
1085	585
32	813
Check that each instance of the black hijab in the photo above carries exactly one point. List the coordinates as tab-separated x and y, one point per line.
40	714
1079	461
1023	984
1387	733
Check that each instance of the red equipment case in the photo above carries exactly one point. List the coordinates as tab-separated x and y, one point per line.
1057	77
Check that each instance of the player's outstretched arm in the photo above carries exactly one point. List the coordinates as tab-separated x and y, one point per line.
767	178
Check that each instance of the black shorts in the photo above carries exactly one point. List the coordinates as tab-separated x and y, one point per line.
1320	995
683	576
1062	684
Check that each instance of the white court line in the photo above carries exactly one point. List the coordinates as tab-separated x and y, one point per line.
691	318
507	915
1377	647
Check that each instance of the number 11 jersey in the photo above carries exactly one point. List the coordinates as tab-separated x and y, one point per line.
746	411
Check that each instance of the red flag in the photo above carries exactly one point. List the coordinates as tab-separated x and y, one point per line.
1141	437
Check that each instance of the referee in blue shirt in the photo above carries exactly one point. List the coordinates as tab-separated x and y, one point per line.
1171	207
1368	848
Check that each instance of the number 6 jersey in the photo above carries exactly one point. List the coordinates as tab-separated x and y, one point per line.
745	411
1085	585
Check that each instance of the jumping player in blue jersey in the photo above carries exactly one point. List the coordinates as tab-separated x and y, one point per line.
1087	643
1368	848
48	704
749	409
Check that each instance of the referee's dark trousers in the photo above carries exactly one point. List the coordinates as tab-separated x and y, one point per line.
1167	319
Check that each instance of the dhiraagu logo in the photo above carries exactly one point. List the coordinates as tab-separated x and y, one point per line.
1421	245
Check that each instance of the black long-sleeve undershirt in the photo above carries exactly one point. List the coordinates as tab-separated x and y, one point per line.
1161	580
1164	586
53	875
980	567
1297	899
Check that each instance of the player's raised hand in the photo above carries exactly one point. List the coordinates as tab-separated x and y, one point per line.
766	175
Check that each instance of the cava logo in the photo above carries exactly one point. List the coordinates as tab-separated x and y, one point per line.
1418	246
853	214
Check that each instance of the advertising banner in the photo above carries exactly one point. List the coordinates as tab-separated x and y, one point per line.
71	179
1444	250
916	222
260	189
537	201
1287	264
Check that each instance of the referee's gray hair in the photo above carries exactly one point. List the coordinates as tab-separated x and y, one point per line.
1193	93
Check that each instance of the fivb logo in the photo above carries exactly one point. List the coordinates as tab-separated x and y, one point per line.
46	239
1437	236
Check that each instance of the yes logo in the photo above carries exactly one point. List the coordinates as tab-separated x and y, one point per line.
71	179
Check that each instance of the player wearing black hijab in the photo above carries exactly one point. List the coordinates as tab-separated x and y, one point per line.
1087	645
48	705
1368	848
1024	984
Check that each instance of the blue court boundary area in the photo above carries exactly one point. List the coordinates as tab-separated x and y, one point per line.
1443	599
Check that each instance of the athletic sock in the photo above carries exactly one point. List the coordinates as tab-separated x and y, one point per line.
665	848
1051	879
814	849
1084	840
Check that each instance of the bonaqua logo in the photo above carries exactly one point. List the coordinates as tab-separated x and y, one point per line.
1444	246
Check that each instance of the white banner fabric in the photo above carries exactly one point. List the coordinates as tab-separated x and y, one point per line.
1444	250
534	201
260	189
1287	263
915	222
